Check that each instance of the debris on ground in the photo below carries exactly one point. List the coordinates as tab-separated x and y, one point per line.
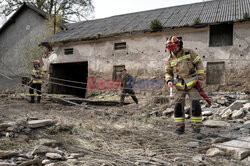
52	133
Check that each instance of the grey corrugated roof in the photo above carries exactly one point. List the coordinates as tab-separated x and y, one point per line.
209	12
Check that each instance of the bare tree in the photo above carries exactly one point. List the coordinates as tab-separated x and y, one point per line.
69	10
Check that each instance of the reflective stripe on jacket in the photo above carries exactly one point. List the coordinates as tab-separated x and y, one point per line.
187	66
37	75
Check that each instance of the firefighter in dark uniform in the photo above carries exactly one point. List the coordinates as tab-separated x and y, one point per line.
36	82
127	84
183	69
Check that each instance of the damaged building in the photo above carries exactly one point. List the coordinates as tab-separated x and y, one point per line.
219	31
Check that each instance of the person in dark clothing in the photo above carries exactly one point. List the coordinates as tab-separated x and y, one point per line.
127	85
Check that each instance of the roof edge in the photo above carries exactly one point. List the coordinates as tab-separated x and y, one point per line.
99	36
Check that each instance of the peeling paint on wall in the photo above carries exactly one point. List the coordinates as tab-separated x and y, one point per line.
145	55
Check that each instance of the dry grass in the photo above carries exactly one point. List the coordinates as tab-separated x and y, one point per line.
12	144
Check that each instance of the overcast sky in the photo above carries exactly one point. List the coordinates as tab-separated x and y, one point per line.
107	8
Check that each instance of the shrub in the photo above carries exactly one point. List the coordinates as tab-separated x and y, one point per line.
197	20
245	16
155	25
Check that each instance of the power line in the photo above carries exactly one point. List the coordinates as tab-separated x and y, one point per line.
169	132
152	96
115	89
108	113
138	94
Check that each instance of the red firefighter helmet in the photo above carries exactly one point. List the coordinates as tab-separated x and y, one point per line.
172	42
36	62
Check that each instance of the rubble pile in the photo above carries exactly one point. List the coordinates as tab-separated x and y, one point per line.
234	108
225	133
22	126
47	152
237	110
230	112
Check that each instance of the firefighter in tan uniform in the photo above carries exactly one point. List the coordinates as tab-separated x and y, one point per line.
36	82
183	69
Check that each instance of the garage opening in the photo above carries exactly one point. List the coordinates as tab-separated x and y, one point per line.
69	78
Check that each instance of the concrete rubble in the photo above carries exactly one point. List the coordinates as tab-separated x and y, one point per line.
223	108
47	153
222	114
40	123
215	123
193	144
226	113
214	152
237	110
239	148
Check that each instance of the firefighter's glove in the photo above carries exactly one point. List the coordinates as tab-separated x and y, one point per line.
201	83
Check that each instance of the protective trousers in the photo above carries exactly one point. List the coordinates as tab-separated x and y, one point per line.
131	93
37	87
179	113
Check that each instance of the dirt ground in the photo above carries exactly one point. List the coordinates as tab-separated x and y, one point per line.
134	138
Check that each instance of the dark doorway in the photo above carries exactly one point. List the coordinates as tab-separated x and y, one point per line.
69	78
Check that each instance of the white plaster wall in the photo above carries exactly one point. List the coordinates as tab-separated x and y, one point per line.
145	54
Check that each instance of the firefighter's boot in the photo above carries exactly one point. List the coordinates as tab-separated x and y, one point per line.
32	99
180	130
38	99
196	117
179	119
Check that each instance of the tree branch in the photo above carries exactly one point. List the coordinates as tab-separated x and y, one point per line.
65	8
